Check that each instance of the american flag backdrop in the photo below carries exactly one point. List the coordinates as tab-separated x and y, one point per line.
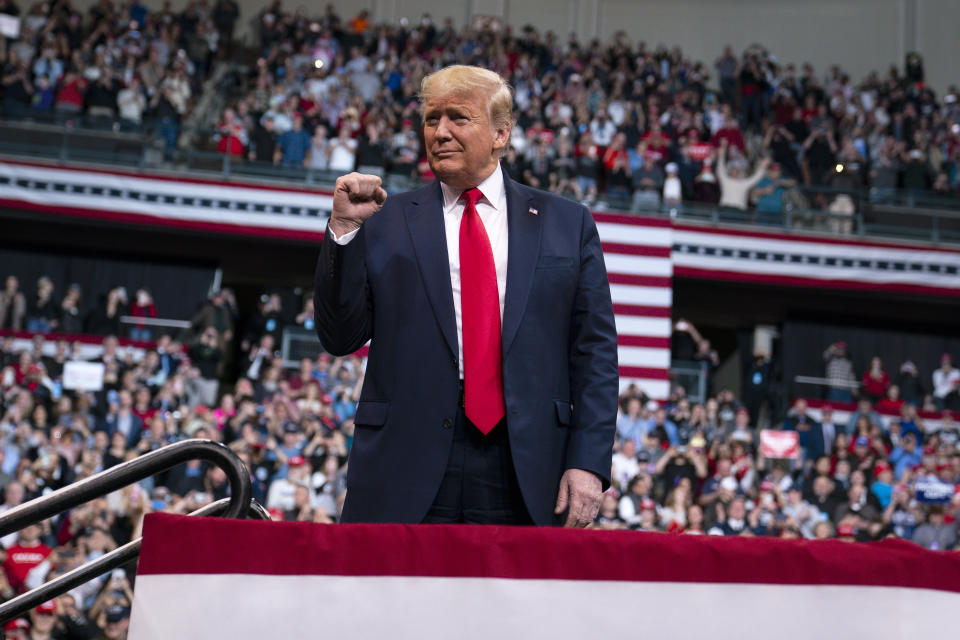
637	252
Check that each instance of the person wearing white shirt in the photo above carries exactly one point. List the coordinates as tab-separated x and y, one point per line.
625	464
946	384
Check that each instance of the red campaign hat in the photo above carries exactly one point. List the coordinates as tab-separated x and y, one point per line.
880	467
767	485
17	623
296	461
846	530
647	503
47	607
929	451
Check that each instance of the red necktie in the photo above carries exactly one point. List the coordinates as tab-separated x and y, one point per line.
480	314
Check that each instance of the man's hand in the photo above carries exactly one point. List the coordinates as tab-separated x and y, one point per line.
580	491
356	197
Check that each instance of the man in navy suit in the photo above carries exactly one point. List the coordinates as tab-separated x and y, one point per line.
490	394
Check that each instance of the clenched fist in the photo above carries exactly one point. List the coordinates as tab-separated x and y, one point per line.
356	197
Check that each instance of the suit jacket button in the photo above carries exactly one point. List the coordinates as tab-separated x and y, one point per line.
447	423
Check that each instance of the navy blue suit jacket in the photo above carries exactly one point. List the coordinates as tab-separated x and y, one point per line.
391	285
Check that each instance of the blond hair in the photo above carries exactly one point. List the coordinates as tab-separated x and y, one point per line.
460	79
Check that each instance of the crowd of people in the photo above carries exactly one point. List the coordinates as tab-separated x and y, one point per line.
44	312
115	65
612	123
939	392
679	466
694	468
292	429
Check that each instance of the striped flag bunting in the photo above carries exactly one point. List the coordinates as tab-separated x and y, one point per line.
642	254
220	579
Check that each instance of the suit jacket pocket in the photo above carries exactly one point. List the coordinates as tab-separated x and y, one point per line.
555	262
371	414
564	412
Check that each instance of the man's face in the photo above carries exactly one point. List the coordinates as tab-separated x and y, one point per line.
737	510
43	622
30	534
462	145
909	442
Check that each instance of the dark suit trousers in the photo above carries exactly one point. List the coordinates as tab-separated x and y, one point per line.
479	485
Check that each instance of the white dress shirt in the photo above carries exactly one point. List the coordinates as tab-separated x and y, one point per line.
492	208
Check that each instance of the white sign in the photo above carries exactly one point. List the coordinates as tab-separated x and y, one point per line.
9	26
85	376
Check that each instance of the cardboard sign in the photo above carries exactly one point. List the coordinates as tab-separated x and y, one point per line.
780	444
84	376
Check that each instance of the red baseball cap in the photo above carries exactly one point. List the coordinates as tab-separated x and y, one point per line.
50	606
846	531
17	623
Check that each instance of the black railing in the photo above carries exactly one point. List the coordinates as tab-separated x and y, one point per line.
238	505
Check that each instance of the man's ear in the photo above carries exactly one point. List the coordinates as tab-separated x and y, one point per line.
501	137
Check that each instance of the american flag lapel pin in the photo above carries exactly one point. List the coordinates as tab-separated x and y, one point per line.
533	211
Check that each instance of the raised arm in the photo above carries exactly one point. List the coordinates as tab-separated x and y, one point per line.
341	298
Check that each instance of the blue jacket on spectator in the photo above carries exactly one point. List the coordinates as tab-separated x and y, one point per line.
811	436
903	460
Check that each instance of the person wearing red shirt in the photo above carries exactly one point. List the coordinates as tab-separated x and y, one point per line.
27	553
892	403
73	90
875	380
730	132
657	141
141	405
232	134
699	151
143	307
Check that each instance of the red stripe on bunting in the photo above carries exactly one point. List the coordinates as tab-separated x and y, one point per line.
650	373
637	221
184	545
641	310
640	281
643	341
636	250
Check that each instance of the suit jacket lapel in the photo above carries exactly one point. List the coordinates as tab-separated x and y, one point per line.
425	221
523	241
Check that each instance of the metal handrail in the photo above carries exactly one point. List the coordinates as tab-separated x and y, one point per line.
238	505
18	606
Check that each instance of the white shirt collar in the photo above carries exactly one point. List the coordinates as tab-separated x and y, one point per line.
491	188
